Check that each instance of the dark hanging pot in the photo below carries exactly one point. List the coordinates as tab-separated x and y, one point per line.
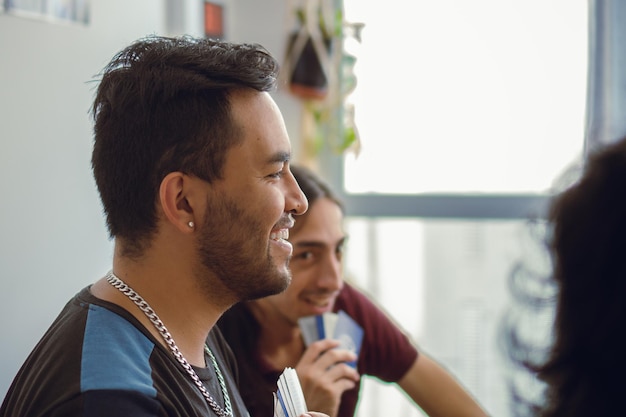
307	78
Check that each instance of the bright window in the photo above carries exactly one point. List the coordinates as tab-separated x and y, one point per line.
467	110
467	96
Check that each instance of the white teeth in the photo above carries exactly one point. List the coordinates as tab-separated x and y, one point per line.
319	303
281	234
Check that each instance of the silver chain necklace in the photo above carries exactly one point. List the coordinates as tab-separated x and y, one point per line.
167	337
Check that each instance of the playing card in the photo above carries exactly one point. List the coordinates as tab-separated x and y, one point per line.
289	399
308	326
280	410
317	327
330	321
348	333
338	326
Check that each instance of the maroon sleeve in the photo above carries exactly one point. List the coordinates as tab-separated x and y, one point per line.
387	353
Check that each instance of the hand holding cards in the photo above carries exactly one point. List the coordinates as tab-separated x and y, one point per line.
338	326
289	399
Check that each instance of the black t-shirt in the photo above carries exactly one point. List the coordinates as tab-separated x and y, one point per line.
97	360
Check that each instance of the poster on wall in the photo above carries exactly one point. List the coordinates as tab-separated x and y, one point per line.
77	11
213	20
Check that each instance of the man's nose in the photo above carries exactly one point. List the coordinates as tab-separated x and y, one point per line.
331	276
296	201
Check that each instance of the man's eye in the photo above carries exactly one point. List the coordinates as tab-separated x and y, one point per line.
277	175
304	256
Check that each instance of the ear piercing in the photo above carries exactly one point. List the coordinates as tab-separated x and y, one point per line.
191	225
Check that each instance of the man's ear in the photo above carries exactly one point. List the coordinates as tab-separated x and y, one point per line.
179	198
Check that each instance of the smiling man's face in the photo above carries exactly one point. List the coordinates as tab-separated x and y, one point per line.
316	264
242	239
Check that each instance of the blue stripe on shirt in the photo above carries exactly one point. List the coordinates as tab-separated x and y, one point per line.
116	355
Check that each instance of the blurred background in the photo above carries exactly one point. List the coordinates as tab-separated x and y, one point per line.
443	125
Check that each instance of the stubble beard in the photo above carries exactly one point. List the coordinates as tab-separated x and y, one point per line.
230	246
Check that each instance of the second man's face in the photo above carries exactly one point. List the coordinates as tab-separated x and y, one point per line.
316	264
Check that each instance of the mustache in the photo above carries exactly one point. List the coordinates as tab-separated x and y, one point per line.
286	222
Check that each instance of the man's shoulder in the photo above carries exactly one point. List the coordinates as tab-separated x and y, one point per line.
352	296
88	354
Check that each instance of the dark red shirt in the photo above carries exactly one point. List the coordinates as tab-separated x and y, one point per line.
386	353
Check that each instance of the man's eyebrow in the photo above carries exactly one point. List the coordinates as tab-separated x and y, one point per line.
309	244
281	156
316	244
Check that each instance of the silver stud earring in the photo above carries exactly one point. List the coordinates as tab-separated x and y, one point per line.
190	224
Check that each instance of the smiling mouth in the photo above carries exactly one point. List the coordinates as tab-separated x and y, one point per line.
282	234
325	302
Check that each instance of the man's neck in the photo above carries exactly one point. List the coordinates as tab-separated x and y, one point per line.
173	294
280	341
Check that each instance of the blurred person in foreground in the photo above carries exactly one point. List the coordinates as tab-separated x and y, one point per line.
581	369
266	337
191	159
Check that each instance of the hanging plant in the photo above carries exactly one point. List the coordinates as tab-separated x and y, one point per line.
320	73
309	51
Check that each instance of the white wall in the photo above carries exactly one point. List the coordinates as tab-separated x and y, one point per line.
267	22
53	239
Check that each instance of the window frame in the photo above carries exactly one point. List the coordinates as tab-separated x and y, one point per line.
442	205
